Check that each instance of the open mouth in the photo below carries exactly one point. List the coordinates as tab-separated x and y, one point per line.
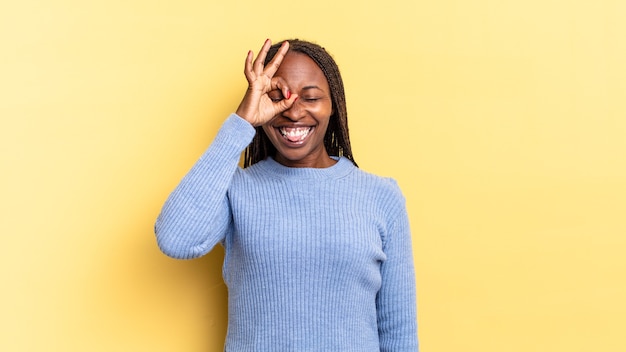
295	134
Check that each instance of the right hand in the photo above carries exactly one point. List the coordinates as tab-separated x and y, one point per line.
256	107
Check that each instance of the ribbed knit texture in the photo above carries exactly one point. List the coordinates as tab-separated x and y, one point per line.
316	259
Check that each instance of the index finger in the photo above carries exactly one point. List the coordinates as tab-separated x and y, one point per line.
273	65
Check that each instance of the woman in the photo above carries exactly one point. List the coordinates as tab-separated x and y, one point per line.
317	252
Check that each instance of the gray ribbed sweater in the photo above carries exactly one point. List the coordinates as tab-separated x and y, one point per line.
316	259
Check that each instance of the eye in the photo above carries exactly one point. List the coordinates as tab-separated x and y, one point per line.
275	96
311	99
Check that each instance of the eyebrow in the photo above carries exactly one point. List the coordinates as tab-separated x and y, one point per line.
311	87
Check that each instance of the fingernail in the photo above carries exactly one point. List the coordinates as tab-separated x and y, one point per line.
289	94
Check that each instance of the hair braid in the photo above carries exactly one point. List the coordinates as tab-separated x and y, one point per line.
337	138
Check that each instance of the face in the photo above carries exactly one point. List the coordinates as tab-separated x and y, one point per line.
298	132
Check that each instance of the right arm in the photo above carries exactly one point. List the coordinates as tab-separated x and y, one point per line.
197	215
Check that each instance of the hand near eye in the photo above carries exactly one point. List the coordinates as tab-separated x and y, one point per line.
257	107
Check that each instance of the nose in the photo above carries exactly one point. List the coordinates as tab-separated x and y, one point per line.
295	112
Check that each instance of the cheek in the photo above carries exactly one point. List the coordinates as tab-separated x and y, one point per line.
324	111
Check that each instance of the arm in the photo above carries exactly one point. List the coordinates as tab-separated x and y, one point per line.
196	216
396	300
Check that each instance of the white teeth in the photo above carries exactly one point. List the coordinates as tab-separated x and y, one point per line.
298	133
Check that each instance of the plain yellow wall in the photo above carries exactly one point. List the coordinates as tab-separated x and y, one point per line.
503	121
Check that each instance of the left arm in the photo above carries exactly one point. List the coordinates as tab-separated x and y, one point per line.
396	299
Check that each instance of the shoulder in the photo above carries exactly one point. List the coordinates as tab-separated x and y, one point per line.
382	185
384	192
386	197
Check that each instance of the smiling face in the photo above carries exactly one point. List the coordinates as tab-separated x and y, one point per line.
298	132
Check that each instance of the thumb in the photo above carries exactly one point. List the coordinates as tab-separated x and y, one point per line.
286	104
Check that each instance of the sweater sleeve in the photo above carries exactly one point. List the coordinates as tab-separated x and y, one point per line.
196	215
396	299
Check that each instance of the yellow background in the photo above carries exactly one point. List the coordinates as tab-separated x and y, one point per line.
503	121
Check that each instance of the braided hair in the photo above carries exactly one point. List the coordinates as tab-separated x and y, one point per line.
336	139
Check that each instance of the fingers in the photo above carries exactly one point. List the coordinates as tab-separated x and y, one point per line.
273	65
255	68
278	83
259	63
286	103
248	67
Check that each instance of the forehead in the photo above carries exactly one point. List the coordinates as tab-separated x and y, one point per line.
298	69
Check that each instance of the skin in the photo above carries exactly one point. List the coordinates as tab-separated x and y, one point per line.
290	92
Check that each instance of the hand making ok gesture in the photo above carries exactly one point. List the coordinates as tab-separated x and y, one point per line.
257	107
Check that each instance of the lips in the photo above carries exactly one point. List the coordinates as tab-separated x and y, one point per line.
295	135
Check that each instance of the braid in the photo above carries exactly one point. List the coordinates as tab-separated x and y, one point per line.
337	138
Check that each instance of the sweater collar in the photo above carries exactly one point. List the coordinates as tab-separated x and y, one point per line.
341	168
